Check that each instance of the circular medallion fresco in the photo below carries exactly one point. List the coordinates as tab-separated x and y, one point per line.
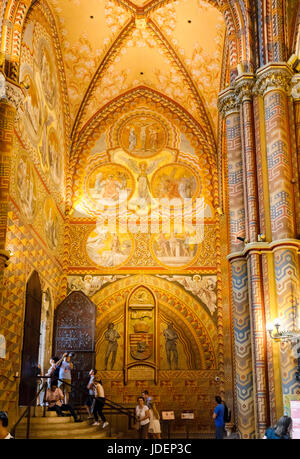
47	74
110	185
174	249
175	181
32	109
109	250
142	136
55	157
26	188
51	223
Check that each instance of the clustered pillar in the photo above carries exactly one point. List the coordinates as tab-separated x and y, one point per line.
239	272
247	151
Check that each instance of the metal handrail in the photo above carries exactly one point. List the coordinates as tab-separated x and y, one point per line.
110	403
28	412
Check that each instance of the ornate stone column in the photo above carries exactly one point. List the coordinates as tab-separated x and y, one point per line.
295	91
273	82
244	85
11	97
229	108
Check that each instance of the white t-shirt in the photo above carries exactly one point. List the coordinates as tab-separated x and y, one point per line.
141	413
8	437
91	381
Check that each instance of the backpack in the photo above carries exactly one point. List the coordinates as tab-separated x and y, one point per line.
227	414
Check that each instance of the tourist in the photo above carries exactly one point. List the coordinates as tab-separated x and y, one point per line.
142	417
281	431
91	398
218	417
65	376
147	397
4	433
154	425
99	403
53	371
55	398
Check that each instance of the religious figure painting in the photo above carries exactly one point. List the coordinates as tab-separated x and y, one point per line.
175	181
171	338
111	336
203	287
32	108
143	169
26	188
142	136
47	74
175	249
55	157
108	250
110	185
51	223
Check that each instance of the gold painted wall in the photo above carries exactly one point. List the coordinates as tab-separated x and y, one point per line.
35	233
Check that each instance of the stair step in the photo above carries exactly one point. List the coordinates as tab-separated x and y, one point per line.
49	420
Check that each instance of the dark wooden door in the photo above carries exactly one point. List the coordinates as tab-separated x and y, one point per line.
74	331
31	341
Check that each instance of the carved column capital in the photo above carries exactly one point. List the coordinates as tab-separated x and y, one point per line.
11	93
244	85
274	76
228	102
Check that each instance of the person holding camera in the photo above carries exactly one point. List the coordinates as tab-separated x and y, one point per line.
65	376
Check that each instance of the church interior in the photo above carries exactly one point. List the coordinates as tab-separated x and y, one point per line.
150	203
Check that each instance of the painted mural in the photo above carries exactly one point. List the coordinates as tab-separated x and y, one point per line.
107	249
42	125
26	188
143	136
51	223
175	181
110	185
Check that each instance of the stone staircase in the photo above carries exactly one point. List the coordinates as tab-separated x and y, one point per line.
54	427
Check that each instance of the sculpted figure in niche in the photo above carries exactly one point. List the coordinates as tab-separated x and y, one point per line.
112	337
171	345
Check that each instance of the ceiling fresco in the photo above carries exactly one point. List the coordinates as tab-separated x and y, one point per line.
113	46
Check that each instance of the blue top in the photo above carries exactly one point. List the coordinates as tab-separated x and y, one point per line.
219	411
271	435
65	371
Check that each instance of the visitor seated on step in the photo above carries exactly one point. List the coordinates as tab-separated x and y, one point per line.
54	398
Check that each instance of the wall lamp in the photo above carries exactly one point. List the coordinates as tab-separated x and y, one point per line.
286	336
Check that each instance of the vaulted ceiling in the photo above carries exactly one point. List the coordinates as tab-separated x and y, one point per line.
112	46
